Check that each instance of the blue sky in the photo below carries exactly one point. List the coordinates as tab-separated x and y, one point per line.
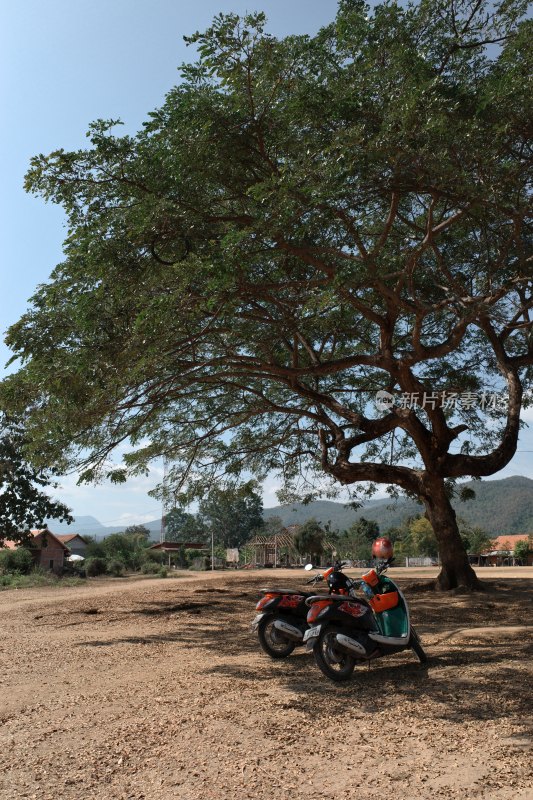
62	65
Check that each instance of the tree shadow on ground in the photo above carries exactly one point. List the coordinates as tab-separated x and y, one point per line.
477	678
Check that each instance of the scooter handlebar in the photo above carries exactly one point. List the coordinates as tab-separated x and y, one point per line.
315	579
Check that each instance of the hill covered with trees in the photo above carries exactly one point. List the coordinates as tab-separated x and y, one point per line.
499	507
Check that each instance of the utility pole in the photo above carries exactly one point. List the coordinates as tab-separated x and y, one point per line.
164	504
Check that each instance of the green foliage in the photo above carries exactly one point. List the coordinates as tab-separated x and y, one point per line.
476	540
163	572
19	561
181	526
191	554
150	568
233	513
75	569
416	538
126	548
23	504
36	578
356	542
421	539
137	530
523	548
272	525
115	567
366	528
95	549
153	556
303	222
309	539
95	566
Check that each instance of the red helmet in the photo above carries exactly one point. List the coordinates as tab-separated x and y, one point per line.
382	548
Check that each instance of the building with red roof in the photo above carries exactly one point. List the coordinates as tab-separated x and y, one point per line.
46	548
502	550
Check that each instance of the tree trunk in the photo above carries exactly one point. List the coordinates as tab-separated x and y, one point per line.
455	567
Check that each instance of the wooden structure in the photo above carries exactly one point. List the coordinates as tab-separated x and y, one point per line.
278	549
175	547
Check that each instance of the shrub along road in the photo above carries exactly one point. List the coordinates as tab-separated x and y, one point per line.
156	689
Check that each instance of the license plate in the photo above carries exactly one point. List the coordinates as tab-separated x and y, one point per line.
312	633
256	621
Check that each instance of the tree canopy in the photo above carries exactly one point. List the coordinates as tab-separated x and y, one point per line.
140	531
304	222
309	538
523	548
180	526
23	503
232	514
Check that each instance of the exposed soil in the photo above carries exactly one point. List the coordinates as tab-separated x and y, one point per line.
157	689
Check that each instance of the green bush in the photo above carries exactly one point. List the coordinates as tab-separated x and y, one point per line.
37	577
153	556
16	562
75	569
95	566
115	567
150	568
163	572
522	549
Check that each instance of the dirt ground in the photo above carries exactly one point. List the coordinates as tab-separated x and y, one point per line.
156	689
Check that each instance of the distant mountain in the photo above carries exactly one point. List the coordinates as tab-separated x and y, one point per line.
500	506
386	513
90	526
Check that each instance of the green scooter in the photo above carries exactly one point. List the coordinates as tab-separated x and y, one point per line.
344	631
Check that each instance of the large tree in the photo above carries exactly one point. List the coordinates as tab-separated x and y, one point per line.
304	222
23	502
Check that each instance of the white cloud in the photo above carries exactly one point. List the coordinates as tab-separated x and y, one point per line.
270	487
112	504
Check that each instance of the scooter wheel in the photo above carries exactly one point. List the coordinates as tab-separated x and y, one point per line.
416	645
272	641
336	664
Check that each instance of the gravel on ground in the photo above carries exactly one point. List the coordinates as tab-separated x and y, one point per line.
157	689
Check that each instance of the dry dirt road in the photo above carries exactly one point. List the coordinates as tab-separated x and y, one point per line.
156	689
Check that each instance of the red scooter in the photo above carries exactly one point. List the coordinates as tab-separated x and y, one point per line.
282	613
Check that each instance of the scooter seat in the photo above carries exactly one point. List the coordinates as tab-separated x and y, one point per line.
287	591
340	598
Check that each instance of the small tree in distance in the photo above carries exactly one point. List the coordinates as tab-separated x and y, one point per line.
232	513
180	526
309	539
356	542
137	530
523	548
